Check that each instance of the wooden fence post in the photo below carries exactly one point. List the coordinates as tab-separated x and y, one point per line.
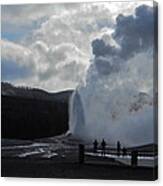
81	153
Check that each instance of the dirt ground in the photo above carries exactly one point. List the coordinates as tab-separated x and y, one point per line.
43	168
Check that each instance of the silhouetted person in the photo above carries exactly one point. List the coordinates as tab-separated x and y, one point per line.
103	145
124	151
95	145
134	158
118	148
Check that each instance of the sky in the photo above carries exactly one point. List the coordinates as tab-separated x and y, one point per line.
52	46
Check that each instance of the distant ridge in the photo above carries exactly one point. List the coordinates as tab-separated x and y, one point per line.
8	89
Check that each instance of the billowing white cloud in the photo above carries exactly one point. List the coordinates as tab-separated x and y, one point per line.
49	66
59	47
14	52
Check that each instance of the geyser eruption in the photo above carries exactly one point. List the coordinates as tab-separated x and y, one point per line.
114	107
115	100
77	120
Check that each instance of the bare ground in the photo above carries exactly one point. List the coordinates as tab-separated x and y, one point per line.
43	168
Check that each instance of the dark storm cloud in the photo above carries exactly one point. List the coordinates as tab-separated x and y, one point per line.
106	66
133	33
101	49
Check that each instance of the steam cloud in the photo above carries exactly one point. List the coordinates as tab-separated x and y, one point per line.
117	95
133	34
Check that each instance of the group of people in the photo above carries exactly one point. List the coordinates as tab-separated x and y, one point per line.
103	148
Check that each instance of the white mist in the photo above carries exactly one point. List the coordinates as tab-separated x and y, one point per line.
117	105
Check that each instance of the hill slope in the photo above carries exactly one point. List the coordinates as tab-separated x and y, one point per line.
33	113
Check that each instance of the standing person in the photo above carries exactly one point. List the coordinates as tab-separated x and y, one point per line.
118	148
95	145
103	145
